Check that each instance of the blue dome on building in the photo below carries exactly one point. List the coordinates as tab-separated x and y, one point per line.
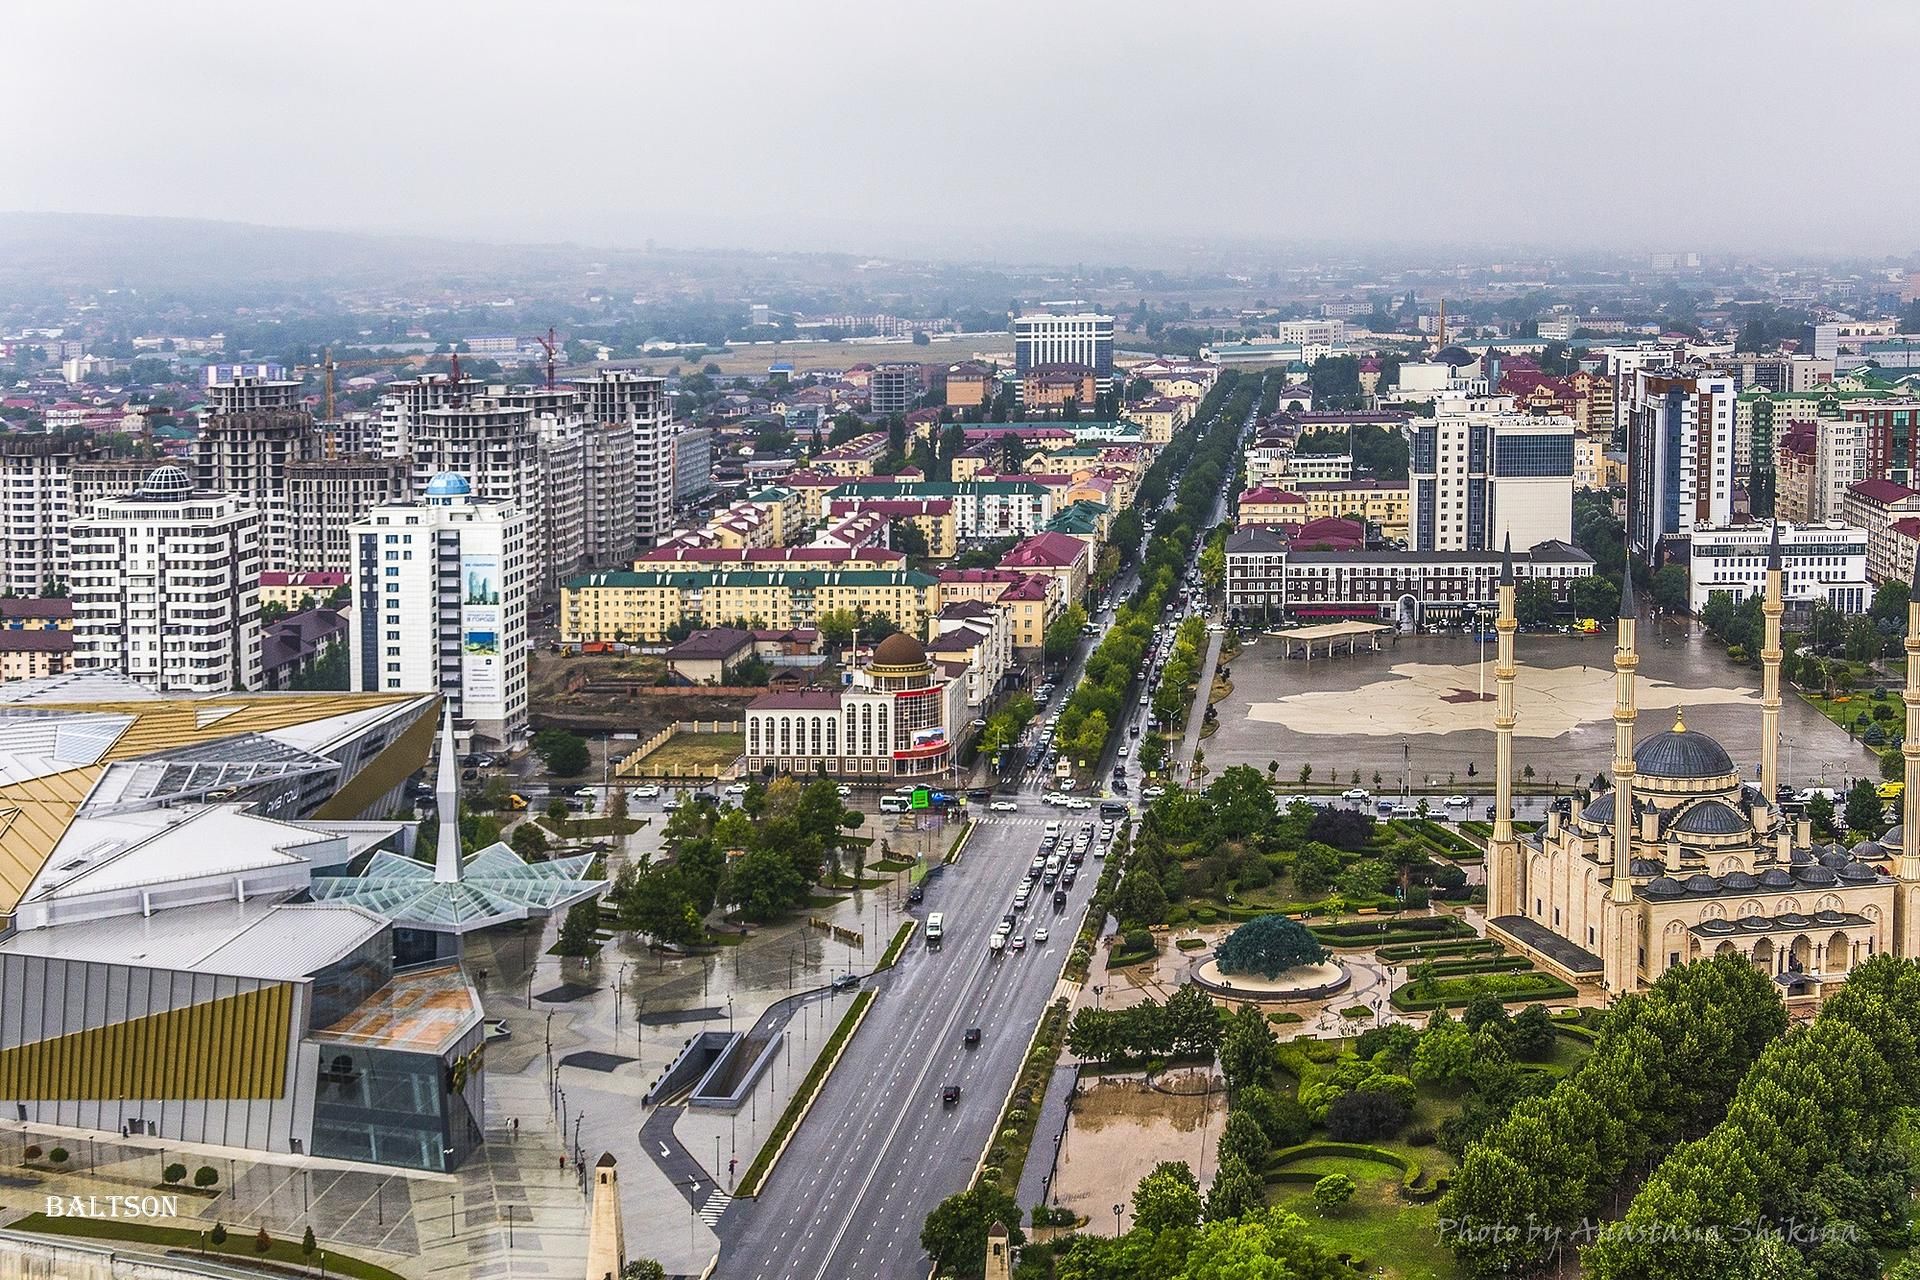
1679	754
449	485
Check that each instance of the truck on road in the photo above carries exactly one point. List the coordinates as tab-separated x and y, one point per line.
936	928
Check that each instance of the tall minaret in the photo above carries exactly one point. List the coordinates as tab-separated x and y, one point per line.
446	799
1620	960
1504	896
606	1233
1771	609
1906	902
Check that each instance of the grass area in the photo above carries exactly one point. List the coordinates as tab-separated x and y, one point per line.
892	866
1844	709
803	1096
1530	987
1404	952
580	828
844	881
708	752
894	948
1376	1225
1389	929
239	1246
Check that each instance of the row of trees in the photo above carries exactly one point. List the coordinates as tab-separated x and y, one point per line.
1667	1064
1187	1025
1807	1175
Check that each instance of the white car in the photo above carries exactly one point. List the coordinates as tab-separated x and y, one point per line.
648	793
843	791
737	789
1075	802
1019	942
1040	935
673	803
1456	802
1152	793
1004	806
1356	793
1294	800
1053	797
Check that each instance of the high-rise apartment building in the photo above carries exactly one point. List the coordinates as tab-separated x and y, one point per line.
1680	455
36	495
622	396
403	403
608	483
1082	338
325	498
101	478
496	447
165	586
561	435
440	588
893	387
1481	475
692	464
254	429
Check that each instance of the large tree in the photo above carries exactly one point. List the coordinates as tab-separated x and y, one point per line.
1167	1197
1268	946
955	1234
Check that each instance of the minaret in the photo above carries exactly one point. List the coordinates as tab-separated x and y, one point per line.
1770	654
1619	931
446	799
1906	902
1504	896
606	1233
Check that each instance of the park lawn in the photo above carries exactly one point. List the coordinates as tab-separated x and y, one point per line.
1395	1234
709	751
239	1245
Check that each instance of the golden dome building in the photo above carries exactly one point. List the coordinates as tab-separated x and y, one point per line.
895	718
1683	859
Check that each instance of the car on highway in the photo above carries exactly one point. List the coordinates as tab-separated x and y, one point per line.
1039	935
1356	793
1004	806
1079	802
1456	802
972	1038
648	793
1019	942
1294	800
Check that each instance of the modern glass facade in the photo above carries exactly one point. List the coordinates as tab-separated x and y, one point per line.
385	1107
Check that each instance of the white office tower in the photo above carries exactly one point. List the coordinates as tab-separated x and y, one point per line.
254	429
496	448
440	590
1481	475
36	487
1680	455
621	396
560	433
165	585
1082	338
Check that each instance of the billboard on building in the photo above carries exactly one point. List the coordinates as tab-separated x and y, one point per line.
482	674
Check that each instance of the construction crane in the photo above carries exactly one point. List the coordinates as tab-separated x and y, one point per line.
550	344
328	364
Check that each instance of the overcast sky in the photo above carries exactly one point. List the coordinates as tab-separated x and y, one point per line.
982	128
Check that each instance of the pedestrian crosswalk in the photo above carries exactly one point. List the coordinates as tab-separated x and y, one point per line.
715	1206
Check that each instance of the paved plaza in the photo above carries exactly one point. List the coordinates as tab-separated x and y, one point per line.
1422	695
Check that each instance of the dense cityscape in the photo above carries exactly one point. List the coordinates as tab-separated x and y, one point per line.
660	744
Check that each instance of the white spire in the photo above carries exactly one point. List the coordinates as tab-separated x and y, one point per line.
446	797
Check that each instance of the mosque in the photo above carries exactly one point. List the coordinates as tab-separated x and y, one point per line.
1683	859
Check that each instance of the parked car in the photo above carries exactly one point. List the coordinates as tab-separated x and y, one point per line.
1003	806
648	792
1456	802
1356	793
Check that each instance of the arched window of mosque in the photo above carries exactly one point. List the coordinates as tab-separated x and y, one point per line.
1714	911
1728	864
1751	907
1674	928
1828	902
1788	904
1872	913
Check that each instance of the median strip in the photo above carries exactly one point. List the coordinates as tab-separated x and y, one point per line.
802	1102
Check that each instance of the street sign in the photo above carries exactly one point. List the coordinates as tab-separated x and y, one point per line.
922	798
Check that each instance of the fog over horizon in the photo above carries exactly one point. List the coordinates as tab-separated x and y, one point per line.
995	130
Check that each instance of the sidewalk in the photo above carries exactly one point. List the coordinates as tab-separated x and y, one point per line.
1197	717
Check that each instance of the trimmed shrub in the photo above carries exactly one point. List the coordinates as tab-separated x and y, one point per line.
262	1241
205	1176
58	1155
173	1174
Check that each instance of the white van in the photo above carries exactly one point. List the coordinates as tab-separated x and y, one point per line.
896	804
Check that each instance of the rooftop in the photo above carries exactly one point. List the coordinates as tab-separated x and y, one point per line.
421	1011
266	938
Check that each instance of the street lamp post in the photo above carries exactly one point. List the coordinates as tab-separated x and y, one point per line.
1118	1209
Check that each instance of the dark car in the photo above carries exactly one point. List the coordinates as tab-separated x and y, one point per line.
980	793
950	1095
1059	899
972	1037
846	982
916	894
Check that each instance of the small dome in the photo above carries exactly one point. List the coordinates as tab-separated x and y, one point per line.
1680	754
1716	926
1828	917
899	650
1792	919
1600	811
1702	883
1664	887
1712	818
1756	924
1858	873
1738	880
1835	858
1647	867
1896	838
1815	873
1868	850
166	482
1775	879
448	485
1801	857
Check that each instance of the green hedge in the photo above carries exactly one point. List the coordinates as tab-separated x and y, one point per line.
1478	964
1412	1174
1377	932
895	947
1511	988
1401	952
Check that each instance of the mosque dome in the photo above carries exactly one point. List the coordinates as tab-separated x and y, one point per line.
1834	858
1738	880
1801	857
1775	878
1664	887
1869	851
1600	811
1712	818
1680	754
1858	873
1702	883
1815	873
1896	838
166	482
899	650
1646	866
448	485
